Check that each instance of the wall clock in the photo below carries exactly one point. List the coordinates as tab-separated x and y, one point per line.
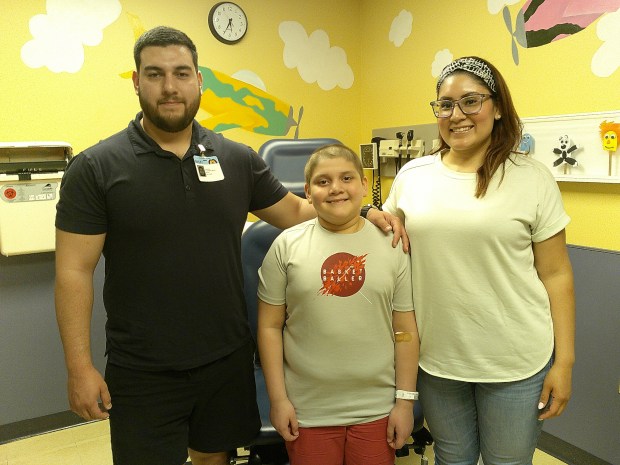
228	22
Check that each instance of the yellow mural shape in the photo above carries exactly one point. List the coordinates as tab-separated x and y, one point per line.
237	104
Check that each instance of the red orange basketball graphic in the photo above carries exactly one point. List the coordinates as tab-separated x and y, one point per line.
343	274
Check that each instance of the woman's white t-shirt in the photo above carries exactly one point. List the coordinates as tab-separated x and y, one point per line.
483	313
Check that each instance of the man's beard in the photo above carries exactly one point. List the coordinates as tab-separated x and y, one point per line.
170	123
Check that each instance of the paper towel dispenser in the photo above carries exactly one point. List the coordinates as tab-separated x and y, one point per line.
30	174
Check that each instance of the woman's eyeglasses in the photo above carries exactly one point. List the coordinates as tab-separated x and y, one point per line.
469	105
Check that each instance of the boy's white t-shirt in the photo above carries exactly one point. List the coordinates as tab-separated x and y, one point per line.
340	291
482	312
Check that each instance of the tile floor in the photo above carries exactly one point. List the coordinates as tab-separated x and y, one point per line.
89	444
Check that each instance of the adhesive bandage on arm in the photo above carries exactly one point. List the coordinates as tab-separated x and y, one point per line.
402	336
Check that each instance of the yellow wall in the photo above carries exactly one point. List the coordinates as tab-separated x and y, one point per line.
392	85
95	102
554	79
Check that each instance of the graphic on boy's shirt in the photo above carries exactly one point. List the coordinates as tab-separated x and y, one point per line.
343	274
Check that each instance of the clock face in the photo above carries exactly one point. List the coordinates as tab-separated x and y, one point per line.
228	22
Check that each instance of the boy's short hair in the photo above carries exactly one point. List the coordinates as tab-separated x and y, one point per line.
332	151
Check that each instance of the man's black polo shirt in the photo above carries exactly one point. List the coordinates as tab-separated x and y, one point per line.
173	280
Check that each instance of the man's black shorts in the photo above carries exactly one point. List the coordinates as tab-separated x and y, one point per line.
156	416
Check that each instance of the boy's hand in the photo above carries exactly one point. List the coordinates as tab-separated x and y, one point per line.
284	420
400	423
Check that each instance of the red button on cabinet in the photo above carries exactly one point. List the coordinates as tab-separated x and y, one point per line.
9	193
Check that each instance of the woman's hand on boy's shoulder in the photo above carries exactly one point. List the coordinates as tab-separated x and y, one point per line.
390	223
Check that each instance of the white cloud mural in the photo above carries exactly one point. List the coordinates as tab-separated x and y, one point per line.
60	35
401	28
606	60
313	56
442	59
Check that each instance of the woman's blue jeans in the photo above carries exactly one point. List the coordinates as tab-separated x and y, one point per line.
496	420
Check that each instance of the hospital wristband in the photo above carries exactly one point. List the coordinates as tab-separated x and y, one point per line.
407	395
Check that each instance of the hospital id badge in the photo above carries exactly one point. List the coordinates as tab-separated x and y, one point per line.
208	168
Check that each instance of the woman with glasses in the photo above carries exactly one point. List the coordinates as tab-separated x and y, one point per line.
492	281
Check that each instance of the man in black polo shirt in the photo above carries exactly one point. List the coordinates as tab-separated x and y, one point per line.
165	201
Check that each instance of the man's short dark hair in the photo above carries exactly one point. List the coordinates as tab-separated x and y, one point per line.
162	36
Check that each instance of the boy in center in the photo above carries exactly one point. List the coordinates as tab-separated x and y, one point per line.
337	334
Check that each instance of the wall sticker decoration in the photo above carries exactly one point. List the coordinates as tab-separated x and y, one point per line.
442	59
610	132
60	34
236	104
541	22
401	28
575	147
313	56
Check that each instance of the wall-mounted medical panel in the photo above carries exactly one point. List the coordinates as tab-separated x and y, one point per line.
403	143
30	175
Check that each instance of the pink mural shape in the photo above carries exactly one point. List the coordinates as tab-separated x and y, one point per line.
540	22
581	13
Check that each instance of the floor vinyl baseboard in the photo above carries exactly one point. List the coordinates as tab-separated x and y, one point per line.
566	452
35	426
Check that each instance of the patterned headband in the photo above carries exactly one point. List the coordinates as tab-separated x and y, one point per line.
471	65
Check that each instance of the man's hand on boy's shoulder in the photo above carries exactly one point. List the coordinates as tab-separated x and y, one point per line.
390	223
